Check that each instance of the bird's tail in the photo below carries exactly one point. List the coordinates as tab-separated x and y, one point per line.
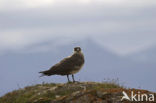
45	73
42	73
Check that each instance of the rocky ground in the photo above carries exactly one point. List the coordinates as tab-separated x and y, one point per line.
83	92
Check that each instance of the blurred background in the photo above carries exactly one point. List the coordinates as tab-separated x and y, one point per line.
118	38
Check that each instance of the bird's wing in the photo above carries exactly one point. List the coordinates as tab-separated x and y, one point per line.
63	66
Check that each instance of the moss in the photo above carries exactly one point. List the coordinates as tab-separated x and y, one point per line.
44	93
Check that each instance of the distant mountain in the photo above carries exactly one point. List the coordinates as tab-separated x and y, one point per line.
148	55
21	69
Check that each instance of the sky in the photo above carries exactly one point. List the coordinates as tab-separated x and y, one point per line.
34	32
122	26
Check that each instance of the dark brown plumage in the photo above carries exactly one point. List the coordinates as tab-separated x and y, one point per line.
67	66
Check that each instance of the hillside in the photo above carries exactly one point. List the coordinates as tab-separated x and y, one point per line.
83	92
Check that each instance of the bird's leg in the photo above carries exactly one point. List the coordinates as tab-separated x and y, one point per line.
73	78
68	78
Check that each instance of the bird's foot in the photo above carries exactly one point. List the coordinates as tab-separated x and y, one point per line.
76	82
69	82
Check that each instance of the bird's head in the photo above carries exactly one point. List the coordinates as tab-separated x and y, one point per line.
77	49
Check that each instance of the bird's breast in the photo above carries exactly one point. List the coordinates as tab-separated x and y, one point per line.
76	69
78	62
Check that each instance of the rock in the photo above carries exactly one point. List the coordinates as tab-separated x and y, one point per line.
82	92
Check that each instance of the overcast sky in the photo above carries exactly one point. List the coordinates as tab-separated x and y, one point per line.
122	26
30	31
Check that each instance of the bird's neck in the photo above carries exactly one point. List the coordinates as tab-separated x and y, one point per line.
78	53
75	52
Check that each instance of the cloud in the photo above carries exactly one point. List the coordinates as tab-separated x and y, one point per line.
122	26
25	4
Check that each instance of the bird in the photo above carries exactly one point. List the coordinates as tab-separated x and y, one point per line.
68	66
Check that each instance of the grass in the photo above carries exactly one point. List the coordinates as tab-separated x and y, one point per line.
44	93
